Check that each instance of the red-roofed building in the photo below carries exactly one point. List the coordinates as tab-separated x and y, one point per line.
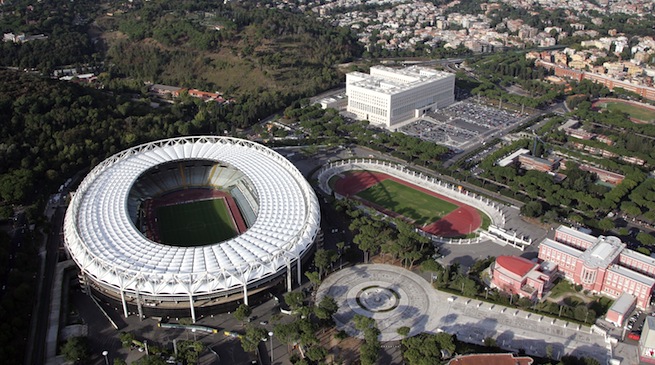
491	359
517	275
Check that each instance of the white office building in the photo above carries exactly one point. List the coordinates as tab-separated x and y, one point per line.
389	96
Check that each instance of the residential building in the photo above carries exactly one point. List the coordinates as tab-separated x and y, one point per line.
529	162
604	175
513	157
389	96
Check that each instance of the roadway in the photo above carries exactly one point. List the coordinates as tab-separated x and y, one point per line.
36	347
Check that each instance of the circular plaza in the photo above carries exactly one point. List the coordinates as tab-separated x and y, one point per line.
391	295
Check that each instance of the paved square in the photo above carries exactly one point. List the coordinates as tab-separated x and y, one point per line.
396	297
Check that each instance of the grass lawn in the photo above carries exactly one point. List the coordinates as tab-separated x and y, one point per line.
411	203
486	221
195	224
562	287
634	111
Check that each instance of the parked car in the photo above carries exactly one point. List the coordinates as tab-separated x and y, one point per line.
634	336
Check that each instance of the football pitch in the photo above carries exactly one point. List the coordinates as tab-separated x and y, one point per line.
635	111
411	203
196	223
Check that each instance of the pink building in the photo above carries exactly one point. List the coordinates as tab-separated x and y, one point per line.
521	276
600	264
620	310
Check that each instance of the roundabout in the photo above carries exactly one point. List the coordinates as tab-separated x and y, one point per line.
391	295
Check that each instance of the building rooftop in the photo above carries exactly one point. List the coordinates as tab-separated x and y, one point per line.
639	257
576	233
562	247
516	265
632	275
623	304
387	80
603	252
491	359
512	157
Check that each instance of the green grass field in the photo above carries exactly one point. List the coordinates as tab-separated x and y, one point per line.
486	221
647	115
195	224
411	203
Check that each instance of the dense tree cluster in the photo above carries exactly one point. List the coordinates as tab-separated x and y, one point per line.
425	349
369	351
498	72
327	126
53	129
279	55
578	191
16	303
302	330
64	23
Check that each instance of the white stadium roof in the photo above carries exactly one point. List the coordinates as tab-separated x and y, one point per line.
103	240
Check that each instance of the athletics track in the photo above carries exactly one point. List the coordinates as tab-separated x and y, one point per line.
460	222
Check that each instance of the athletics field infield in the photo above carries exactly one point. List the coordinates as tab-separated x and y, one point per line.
431	212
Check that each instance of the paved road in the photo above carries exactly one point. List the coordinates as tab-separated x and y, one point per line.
37	344
104	337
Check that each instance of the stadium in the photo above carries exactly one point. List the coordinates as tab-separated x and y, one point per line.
190	223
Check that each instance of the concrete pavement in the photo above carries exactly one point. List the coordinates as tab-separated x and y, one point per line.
402	298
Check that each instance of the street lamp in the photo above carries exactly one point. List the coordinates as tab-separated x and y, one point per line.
270	334
194	334
105	353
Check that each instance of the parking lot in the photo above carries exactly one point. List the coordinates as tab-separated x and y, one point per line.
460	124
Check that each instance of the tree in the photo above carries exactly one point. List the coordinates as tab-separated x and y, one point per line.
368	235
606	224
340	247
316	353
532	209
368	353
118	361
324	259
314	278
253	336
242	313
403	331
126	338
490	342
294	299
467	286
646	239
410	246
326	308
426	348
76	349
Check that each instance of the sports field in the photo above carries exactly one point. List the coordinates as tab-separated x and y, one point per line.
196	223
431	212
634	111
406	201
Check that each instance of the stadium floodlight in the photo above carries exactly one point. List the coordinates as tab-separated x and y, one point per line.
114	256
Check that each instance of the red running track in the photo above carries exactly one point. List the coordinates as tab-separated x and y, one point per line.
460	222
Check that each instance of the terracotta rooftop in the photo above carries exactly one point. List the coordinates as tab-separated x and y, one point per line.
515	264
491	359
